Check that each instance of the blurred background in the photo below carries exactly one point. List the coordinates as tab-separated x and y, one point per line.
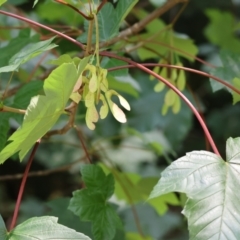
149	141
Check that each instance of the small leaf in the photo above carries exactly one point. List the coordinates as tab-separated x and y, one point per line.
90	204
44	228
26	53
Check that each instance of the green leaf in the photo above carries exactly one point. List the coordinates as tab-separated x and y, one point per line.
109	29
105	224
123	8
96	181
220	30
59	209
24	95
3	230
228	71
125	84
210	184
15	45
44	228
67	15
164	41
168	41
90	204
2	2
29	51
43	111
4	128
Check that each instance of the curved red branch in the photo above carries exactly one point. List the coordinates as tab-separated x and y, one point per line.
177	91
82	46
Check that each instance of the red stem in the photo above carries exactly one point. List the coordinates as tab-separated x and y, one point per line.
82	46
23	183
101	5
140	66
180	68
178	92
75	9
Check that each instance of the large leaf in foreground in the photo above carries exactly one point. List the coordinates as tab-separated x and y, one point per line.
44	228
43	111
211	185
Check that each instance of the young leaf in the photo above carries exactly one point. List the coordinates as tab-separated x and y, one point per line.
43	111
210	184
15	45
26	53
3	230
44	228
90	204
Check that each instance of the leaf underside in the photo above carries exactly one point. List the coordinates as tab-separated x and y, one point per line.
211	184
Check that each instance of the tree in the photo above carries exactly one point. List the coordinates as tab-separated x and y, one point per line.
95	86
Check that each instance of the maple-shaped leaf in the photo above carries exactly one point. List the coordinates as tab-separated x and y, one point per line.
211	185
43	110
90	204
42	228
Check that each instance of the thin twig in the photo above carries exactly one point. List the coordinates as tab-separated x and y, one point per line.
180	68
80	136
75	9
82	46
23	183
137	27
176	90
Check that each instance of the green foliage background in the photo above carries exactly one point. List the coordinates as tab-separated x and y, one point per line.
131	155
